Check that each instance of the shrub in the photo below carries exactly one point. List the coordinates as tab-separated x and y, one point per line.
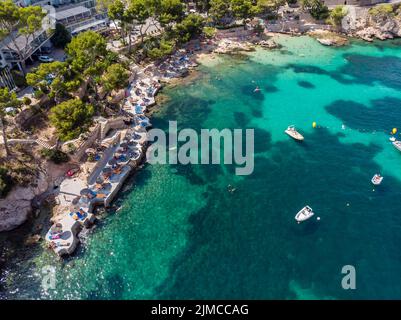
19	78
26	101
381	11
164	48
55	155
71	148
316	8
38	94
91	157
336	15
209	32
6	182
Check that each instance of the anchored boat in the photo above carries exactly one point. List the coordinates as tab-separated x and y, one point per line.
397	144
293	133
304	214
377	179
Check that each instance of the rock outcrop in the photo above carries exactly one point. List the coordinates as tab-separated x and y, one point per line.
328	38
359	23
269	44
16	207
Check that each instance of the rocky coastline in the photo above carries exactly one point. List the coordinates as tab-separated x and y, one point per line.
17	207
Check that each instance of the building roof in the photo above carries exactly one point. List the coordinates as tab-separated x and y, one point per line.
60	15
88	25
21	41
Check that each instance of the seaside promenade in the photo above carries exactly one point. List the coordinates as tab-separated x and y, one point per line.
120	153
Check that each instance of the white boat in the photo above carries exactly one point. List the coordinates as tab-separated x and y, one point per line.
377	179
293	133
304	214
392	139
397	144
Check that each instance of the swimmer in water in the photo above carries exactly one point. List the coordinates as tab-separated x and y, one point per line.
257	89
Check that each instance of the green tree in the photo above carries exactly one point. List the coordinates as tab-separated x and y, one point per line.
219	9
141	11
55	79
244	9
103	5
167	12
61	36
115	13
190	27
18	23
55	155
336	15
87	51
71	118
89	56
116	77
316	8
7	100
270	5
128	14
164	48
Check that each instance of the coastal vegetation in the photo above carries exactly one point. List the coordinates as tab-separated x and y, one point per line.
384	12
115	77
71	118
316	8
336	15
55	155
223	12
6	182
56	80
61	36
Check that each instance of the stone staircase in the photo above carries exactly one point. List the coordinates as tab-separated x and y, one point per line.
44	144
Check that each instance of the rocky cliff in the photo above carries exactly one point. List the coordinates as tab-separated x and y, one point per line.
361	23
16	207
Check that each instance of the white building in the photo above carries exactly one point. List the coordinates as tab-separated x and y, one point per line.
76	15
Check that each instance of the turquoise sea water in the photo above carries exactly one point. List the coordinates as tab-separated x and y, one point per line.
181	234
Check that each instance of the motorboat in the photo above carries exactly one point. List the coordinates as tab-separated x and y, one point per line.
397	144
293	133
377	179
304	214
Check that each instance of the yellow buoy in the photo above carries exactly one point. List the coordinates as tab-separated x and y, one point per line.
314	124
394	131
